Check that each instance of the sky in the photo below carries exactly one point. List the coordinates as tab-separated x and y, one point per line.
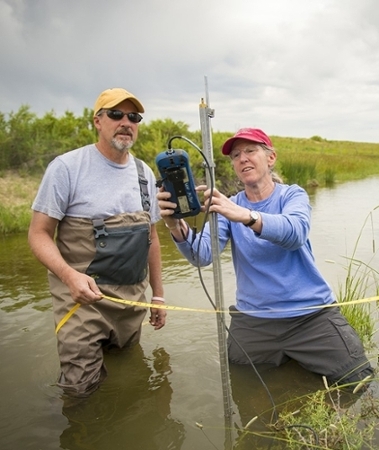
294	68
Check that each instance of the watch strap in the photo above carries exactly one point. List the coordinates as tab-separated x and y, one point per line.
252	221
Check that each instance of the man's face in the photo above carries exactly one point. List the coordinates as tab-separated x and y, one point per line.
120	134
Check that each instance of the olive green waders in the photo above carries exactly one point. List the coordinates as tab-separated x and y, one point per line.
114	252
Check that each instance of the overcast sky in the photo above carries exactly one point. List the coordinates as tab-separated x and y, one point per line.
291	67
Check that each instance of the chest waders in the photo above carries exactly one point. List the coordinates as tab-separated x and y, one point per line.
114	252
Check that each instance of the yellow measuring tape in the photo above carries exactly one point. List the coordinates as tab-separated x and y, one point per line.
182	308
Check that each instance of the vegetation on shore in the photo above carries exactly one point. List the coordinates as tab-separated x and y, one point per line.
28	143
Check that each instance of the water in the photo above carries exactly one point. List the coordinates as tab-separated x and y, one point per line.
165	393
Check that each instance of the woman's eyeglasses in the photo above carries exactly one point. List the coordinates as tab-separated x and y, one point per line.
249	151
116	114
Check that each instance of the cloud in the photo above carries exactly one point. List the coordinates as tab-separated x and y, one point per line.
291	67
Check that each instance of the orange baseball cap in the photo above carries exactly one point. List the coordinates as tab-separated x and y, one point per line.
112	97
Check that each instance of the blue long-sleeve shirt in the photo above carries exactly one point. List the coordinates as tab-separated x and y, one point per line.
276	275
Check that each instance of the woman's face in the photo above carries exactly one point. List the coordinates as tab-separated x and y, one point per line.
251	162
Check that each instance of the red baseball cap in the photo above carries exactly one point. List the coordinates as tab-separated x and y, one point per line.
251	134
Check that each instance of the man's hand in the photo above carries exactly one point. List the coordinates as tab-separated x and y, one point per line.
157	315
83	288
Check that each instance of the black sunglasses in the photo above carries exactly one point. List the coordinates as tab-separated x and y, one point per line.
116	114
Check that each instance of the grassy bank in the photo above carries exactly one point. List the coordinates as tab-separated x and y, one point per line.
320	162
307	162
16	196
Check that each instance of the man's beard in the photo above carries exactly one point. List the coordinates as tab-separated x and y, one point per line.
121	145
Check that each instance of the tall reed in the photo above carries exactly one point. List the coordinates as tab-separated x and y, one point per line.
362	280
299	172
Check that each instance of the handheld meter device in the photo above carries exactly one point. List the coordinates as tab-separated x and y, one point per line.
176	178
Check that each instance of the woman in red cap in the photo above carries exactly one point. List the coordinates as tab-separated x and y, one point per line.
284	308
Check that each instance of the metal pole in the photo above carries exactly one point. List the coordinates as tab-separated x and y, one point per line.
205	115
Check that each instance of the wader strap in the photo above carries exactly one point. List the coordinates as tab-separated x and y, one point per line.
145	198
99	228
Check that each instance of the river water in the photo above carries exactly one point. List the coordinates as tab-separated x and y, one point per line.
166	393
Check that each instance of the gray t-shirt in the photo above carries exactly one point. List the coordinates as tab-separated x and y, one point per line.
84	183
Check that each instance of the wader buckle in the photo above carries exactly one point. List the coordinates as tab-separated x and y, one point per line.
99	228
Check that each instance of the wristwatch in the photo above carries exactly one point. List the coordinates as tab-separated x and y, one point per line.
254	216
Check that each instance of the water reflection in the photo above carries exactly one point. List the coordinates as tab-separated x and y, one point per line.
22	279
342	226
132	410
286	387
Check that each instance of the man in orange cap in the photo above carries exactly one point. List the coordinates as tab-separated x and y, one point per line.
100	203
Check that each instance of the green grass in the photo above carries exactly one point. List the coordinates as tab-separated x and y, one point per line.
16	196
298	172
326	162
14	219
307	162
324	423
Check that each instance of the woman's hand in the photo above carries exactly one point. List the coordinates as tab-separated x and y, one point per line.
219	203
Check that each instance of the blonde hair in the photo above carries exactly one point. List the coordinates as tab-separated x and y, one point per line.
274	175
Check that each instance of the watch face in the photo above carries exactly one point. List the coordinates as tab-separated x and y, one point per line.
254	215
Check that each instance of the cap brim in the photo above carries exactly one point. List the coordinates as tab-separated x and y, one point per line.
227	147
